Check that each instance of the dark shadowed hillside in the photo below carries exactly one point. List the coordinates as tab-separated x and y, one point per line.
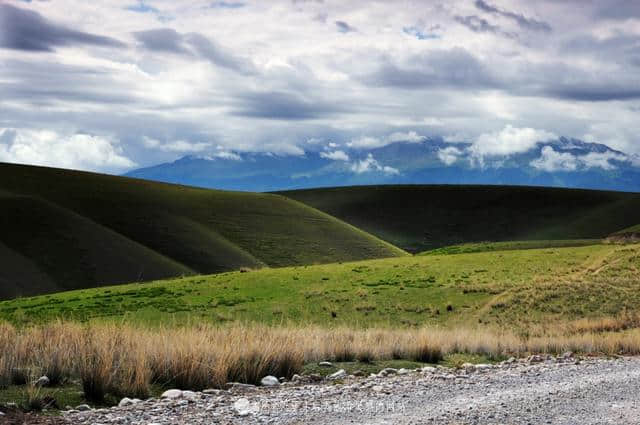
63	229
418	218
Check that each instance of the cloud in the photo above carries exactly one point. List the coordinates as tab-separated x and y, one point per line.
227	155
335	155
168	40
520	19
369	142
27	30
422	34
142	7
477	24
227	4
410	136
551	161
344	27
509	140
181	146
370	164
162	40
284	106
442	68
602	160
449	155
216	54
75	151
366	142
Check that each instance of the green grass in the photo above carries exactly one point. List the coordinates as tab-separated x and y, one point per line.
509	246
418	218
62	229
502	288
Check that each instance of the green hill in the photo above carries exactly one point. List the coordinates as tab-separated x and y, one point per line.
62	229
423	217
510	289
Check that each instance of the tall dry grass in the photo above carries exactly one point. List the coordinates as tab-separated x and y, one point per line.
126	360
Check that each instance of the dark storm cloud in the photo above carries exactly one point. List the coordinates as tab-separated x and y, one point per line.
520	19
479	25
47	83
165	40
593	93
285	106
218	55
162	40
22	29
344	27
441	68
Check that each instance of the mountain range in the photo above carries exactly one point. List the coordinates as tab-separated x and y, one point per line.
561	162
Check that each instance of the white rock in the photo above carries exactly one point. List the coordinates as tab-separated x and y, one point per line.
269	381
388	371
125	402
83	408
189	395
428	369
403	371
244	407
211	391
325	364
483	366
42	381
338	375
172	394
468	366
377	388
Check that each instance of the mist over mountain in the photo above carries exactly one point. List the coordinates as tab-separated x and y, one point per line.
559	162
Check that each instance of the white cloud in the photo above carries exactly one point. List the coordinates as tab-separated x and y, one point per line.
509	140
370	164
449	155
178	146
366	142
225	155
601	160
550	160
75	151
410	136
335	155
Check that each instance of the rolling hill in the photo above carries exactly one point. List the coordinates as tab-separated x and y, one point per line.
62	229
422	217
511	289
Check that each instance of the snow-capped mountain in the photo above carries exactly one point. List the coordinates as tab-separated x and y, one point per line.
559	162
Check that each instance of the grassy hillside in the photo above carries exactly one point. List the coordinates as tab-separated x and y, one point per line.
71	229
419	218
503	288
629	230
509	246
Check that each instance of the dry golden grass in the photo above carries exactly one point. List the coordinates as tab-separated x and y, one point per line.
126	360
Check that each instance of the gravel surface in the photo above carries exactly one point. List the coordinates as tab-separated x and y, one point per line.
535	391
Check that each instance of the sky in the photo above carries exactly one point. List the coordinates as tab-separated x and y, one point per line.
115	85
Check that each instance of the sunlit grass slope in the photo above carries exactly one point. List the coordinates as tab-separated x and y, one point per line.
422	217
503	288
70	229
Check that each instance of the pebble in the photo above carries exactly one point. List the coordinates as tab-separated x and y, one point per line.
563	390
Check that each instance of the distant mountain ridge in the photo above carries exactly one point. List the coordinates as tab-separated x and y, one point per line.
562	162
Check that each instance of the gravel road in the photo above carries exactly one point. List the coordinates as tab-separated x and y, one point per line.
551	391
